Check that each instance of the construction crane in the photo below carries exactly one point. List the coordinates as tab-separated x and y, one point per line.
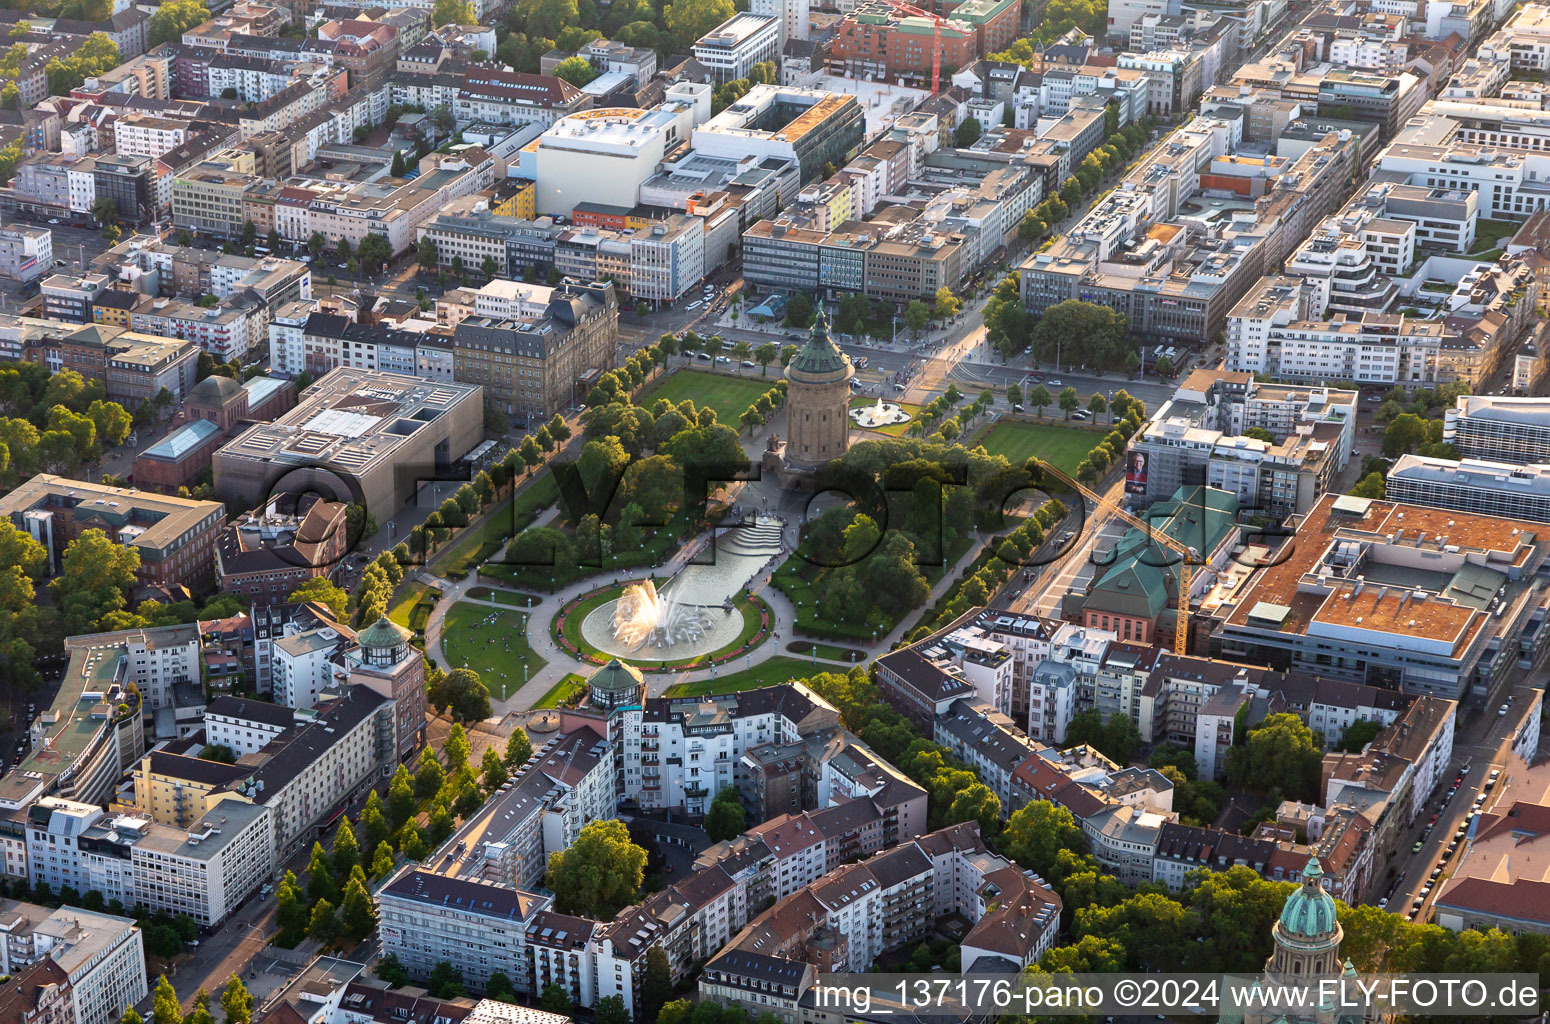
936	38
1189	557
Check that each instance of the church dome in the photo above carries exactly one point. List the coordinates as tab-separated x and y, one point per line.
1309	913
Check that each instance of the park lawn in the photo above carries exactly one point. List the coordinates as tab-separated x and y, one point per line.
562	691
773	672
506	597
464	642
728	395
407	604
1064	447
894	430
473	546
829	651
1490	234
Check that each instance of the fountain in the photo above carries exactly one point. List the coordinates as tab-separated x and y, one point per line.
691	614
645	617
883	414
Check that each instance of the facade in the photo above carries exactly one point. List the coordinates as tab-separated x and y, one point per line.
96	962
731	49
1472	485
366	437
384	662
818	400
174	536
531	367
26	253
1510	430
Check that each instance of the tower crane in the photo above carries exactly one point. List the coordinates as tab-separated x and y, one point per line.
1188	560
936	38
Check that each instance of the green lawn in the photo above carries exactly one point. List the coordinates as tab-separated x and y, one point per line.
728	395
465	639
505	597
411	606
1063	446
562	691
773	672
833	653
896	429
471	547
1489	234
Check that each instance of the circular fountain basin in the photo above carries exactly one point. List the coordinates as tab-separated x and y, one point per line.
695	631
883	414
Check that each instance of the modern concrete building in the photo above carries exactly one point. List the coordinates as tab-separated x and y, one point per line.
731	49
1473	485
359	436
808	126
99	959
604	156
1497	429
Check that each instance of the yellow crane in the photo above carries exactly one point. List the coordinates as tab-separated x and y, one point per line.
1189	557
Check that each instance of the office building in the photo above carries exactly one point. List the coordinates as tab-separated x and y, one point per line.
175	537
731	49
26	253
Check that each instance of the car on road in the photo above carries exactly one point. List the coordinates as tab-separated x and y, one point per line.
1501	712
696	304
1383	903
702	355
1495	772
1057	383
898	387
749	364
1080	414
53	220
1018	408
1417	848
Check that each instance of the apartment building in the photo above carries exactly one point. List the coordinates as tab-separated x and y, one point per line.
26	253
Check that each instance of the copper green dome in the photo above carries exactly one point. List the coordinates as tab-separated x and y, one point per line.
819	355
1310	911
383	633
214	390
616	677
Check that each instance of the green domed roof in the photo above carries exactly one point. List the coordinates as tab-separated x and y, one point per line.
1310	911
214	390
383	633
616	677
819	355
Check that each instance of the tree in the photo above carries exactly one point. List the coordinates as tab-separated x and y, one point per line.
291	910
916	315
1097	405
1039	397
1405	433
456	749
316	243
1373	485
799	310
95	578
519	749
1100	331
453	12
320	875
129	1016
320	589
360	916
610	1010
428	775
577	70
426	253
237	1002
499	987
401	799
347	852
382	863
1282	753
656	985
374	252
391	970
462	693
165	1008
494	770
968	133
172	19
726	818
691	19
947	304
445	981
600	873
556	999
1355	737
1121	738
1014	395
1036	834
1069	402
323	926
105	210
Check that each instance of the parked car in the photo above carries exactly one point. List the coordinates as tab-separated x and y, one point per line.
1417	848
1501	712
